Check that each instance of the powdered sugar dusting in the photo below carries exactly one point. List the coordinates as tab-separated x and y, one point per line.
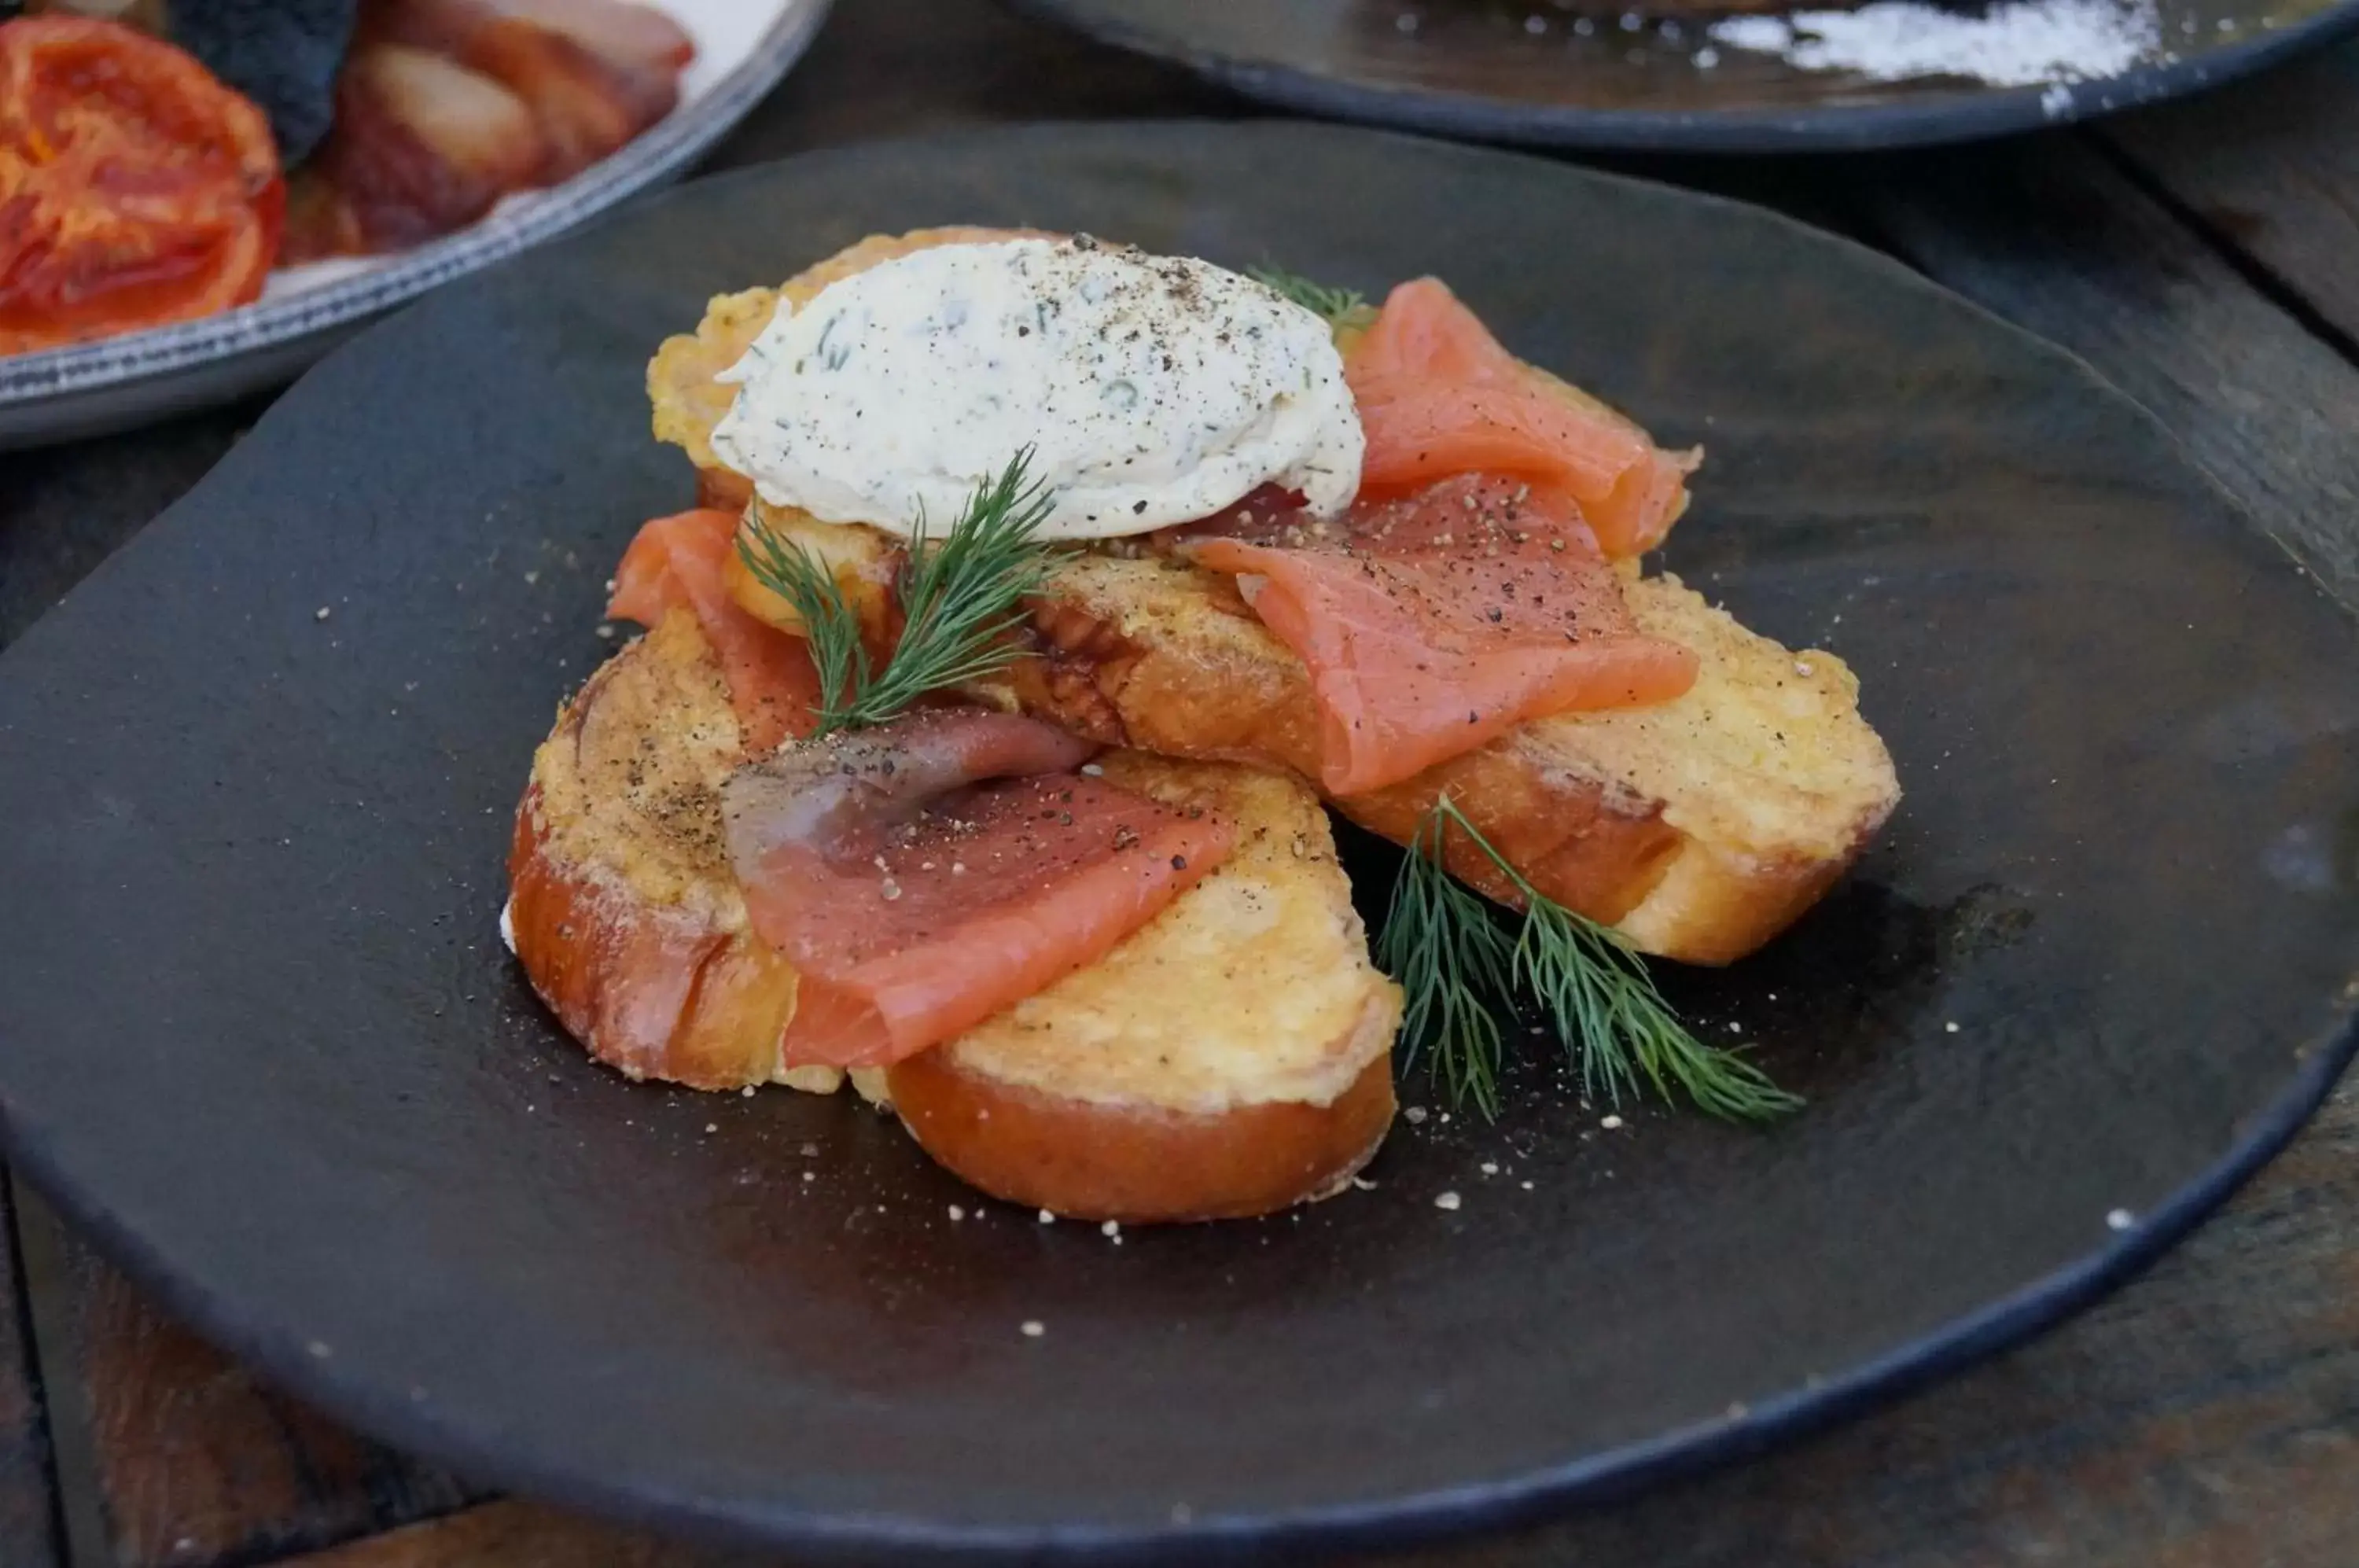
2015	43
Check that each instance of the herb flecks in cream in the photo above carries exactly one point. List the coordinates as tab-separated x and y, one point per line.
1151	389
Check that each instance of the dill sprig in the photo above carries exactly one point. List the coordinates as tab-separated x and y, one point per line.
1341	307
1453	956
960	597
1441	942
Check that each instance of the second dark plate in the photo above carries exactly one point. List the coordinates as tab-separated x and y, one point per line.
1547	72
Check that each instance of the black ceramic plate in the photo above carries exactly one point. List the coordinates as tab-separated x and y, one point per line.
261	1038
1604	74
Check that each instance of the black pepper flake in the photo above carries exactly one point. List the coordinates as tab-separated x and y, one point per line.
1178	863
1125	838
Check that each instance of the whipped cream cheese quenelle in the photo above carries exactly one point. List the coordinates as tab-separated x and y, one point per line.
1151	389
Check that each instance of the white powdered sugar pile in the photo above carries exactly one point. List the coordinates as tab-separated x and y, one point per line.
2015	43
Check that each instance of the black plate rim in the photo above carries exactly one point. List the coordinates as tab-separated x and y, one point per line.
1412	1518
1397	1521
1968	116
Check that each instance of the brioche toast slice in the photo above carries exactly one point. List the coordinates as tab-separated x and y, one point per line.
1231	1056
1699	828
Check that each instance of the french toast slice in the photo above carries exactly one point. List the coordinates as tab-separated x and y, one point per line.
1699	828
1230	1058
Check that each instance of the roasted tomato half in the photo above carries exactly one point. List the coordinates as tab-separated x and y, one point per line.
134	188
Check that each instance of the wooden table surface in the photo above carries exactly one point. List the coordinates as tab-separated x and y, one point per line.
2204	256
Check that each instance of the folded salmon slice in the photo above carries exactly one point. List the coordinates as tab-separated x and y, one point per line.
1432	623
1438	396
926	874
677	562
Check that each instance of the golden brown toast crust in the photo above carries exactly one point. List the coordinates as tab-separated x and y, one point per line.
1233	1056
620	906
1252	986
1700	827
1166	658
1143	1165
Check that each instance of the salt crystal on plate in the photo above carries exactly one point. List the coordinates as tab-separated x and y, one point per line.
2014	43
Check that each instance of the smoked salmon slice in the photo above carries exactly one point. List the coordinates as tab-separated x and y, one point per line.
925	873
1432	623
677	563
1438	396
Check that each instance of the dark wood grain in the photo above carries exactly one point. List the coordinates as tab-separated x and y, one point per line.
2052	236
28	1535
517	1535
192	1461
2271	167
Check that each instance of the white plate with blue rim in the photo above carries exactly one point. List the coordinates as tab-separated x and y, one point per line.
743	47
